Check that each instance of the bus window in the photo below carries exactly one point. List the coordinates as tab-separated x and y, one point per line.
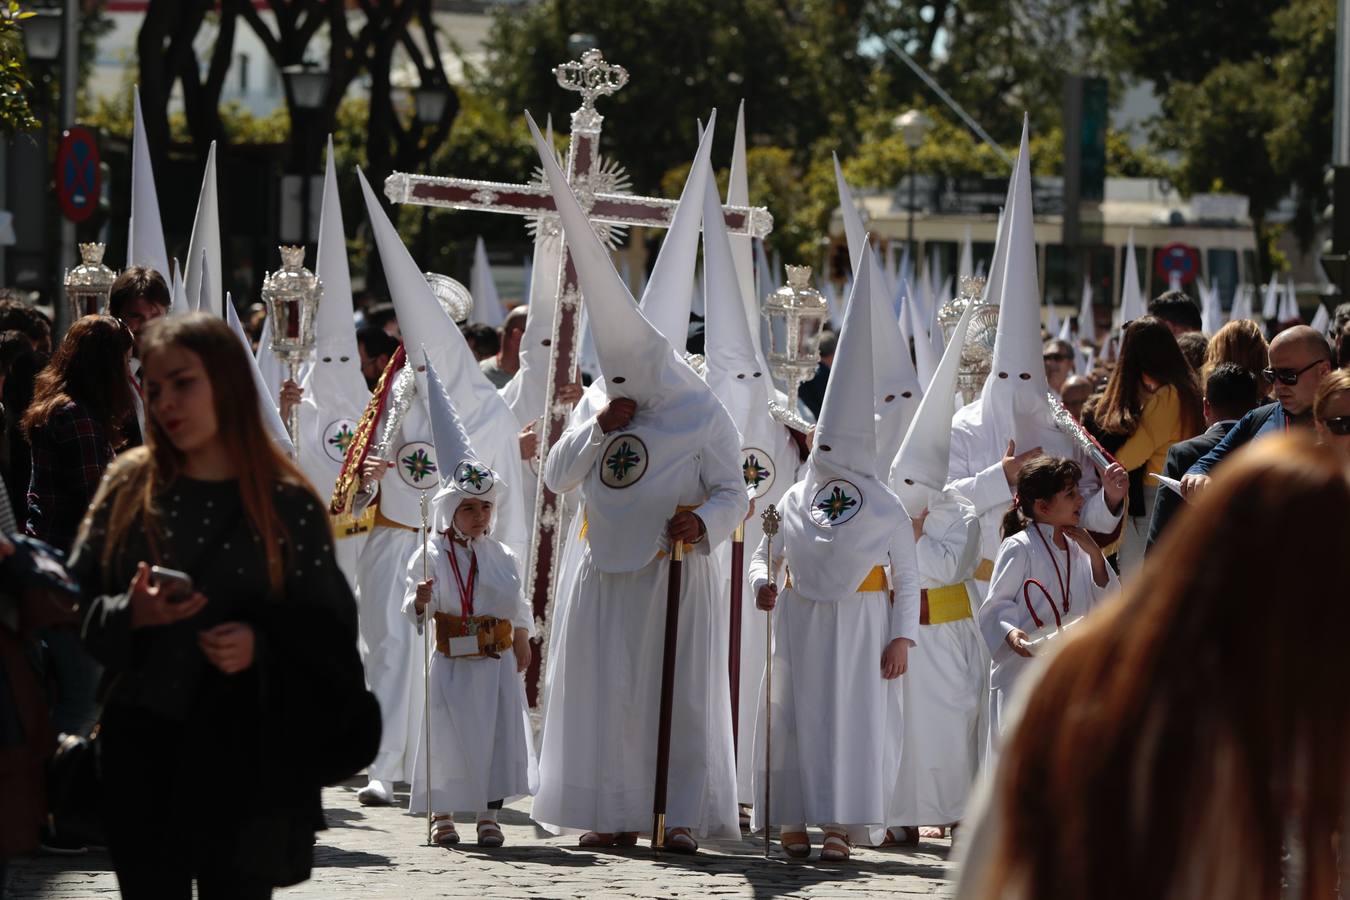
1221	268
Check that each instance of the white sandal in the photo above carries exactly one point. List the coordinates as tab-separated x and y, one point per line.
490	834
443	832
835	848
679	840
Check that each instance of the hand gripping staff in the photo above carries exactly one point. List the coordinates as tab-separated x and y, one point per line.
770	520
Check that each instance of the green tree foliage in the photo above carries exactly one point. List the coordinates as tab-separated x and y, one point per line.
15	112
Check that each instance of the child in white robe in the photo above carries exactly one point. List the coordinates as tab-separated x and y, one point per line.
482	751
946	689
1048	574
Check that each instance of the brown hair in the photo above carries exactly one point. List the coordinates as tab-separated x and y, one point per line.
1196	728
1337	381
89	367
136	478
1148	347
138	281
1241	342
1039	478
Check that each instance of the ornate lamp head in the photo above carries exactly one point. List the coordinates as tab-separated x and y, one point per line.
292	297
591	77
454	297
796	313
89	284
977	355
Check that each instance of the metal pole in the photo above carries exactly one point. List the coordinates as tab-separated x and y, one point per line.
70	75
427	640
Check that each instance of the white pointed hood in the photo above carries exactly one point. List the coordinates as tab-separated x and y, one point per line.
1321	319
1131	297
526	392
1211	309
631	499
896	383
335	390
926	353
965	267
145	237
1014	396
276	428
178	292
743	245
993	285
487	304
667	301
463	472
1087	319
919	470
1242	303
206	240
838	520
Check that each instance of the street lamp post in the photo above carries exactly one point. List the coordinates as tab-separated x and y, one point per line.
913	125
428	101
309	88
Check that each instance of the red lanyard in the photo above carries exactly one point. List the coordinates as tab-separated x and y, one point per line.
465	590
1065	581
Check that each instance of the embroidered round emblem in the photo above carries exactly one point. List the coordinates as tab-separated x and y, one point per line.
835	503
623	462
417	465
337	437
757	469
473	477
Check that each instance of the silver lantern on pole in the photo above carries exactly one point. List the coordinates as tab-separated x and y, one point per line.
796	314
89	285
453	296
292	297
977	355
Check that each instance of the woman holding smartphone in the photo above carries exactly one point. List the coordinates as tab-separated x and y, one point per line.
210	691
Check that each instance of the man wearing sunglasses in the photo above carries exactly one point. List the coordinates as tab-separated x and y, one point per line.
1299	358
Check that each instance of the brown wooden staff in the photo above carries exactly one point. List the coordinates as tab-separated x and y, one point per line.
667	695
771	519
734	651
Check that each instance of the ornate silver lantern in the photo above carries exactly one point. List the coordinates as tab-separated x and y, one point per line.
796	313
292	297
89	284
977	356
453	296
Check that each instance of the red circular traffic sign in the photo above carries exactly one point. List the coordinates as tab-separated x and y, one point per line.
1182	260
77	174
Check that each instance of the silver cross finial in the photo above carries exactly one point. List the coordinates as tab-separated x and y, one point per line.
592	77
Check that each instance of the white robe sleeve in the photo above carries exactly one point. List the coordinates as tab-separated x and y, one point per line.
723	482
571	458
522	615
999	614
944	549
410	587
987	487
905	583
758	571
1096	516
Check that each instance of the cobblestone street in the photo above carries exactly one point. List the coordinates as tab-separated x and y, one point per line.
379	852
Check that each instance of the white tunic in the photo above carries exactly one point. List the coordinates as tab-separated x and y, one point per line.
1021	558
976	472
598	759
946	689
481	745
835	718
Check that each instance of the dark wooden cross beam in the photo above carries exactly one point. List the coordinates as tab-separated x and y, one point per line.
591	77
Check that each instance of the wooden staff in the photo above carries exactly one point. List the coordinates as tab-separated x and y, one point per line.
667	696
734	652
427	640
770	519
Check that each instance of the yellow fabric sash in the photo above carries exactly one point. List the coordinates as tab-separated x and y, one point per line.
948	604
875	581
985	570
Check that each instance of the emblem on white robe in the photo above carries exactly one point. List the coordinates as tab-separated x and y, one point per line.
835	503
417	465
337	437
757	469
473	478
623	462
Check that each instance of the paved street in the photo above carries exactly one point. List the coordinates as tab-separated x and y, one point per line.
379	853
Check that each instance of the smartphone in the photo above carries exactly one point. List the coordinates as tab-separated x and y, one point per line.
178	585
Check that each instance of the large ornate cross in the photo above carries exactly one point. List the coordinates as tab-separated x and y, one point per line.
599	188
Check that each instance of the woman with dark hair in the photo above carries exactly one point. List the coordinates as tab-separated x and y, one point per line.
1049	572
1193	739
1151	402
219	690
80	402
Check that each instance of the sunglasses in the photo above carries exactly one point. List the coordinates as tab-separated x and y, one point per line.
1286	376
1056	357
1339	426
